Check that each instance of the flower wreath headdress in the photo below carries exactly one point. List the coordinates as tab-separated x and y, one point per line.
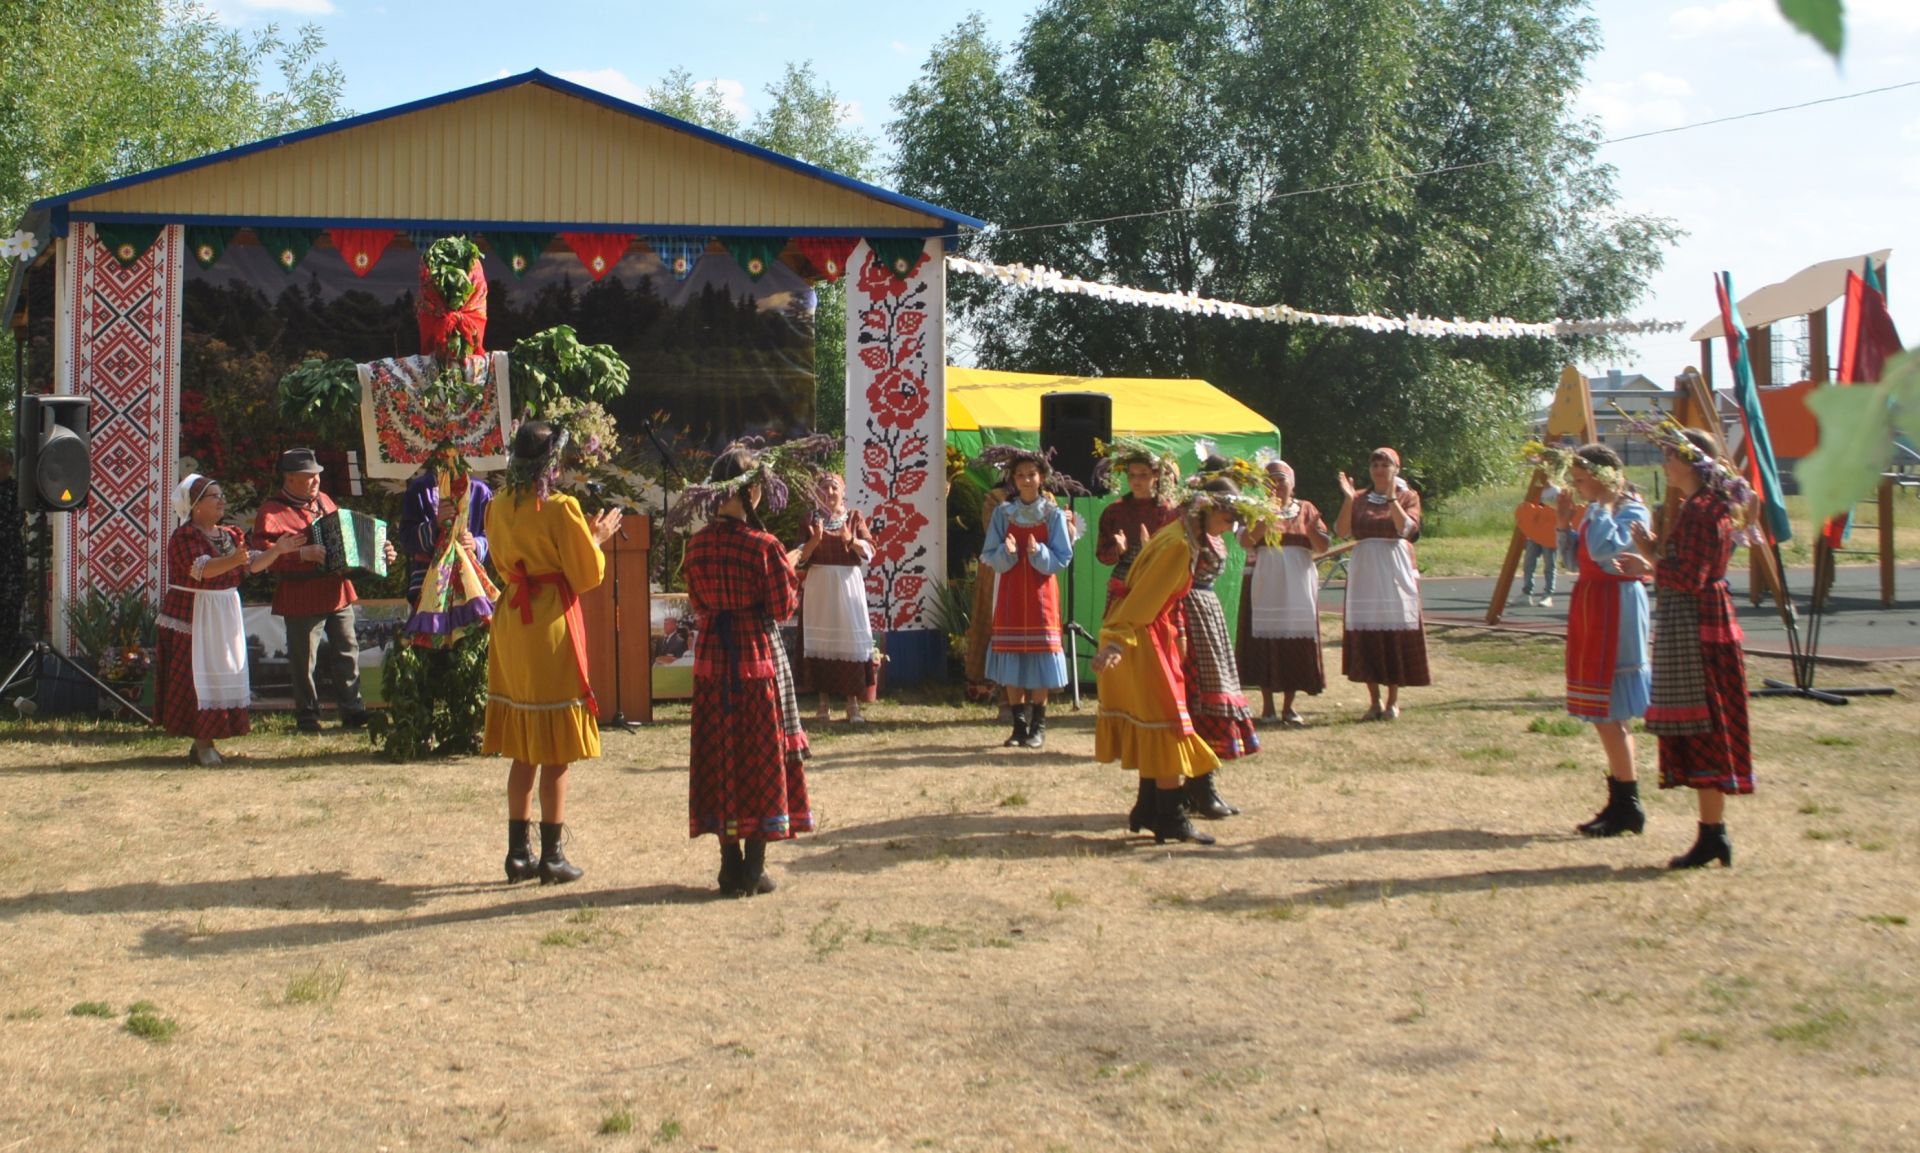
1123	453
800	458
1250	506
1669	436
536	475
1006	457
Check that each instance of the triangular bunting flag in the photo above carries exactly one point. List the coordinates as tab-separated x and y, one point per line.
677	253
827	254
361	247
599	251
900	255
127	243
288	246
519	250
754	254
206	243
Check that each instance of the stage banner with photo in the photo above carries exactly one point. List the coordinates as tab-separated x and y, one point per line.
896	427
120	328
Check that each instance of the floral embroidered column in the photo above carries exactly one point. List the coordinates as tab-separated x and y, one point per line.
896	432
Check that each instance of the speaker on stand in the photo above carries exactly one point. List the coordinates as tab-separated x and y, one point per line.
54	469
1070	423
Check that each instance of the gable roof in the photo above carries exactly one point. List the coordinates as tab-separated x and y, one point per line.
532	150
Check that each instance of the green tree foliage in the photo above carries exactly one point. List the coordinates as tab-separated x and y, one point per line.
94	91
808	121
1116	111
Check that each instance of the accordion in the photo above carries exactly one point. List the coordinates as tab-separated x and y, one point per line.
353	540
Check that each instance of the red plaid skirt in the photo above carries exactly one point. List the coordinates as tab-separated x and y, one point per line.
176	704
747	780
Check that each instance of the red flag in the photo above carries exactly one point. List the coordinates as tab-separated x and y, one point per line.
1867	339
599	251
827	254
361	247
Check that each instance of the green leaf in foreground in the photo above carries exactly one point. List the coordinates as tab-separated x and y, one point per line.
1857	425
1820	19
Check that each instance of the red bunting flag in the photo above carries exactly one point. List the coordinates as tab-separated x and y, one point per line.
361	247
827	254
599	251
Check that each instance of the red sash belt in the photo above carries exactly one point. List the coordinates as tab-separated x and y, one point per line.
523	585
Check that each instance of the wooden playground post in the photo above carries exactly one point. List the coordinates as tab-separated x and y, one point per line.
1572	405
1885	504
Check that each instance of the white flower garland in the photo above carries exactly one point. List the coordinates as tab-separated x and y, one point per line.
20	246
1042	278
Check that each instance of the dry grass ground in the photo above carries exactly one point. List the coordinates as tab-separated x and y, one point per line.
1399	946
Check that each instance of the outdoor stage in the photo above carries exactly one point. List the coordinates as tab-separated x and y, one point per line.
1857	628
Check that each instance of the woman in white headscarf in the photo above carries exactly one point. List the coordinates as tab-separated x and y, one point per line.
201	689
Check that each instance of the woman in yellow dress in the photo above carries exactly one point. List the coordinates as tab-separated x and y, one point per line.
540	707
1143	721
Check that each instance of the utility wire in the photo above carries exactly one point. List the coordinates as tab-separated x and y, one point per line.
1346	184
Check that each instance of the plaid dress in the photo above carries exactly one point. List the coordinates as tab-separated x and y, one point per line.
176	702
1219	709
748	746
1699	708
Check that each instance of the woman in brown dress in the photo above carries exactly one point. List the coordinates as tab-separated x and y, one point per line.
1385	642
1279	627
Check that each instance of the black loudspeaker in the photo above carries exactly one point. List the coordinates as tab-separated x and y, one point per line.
1069	424
53	464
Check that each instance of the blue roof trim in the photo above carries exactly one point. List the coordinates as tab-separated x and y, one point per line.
484	226
536	76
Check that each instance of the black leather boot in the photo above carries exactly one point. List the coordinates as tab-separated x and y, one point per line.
555	869
522	865
731	864
1019	737
1170	821
753	870
1710	846
1036	726
1623	813
1141	815
1203	798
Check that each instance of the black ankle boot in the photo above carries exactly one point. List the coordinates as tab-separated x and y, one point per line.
1623	813
555	869
1141	815
1710	846
522	865
1037	727
1170	821
731	864
753	870
1019	737
1203	798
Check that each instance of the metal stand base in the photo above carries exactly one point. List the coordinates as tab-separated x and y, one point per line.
1824	696
37	656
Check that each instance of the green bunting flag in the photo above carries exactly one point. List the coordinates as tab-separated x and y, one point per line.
127	243
206	243
754	254
288	245
900	255
520	251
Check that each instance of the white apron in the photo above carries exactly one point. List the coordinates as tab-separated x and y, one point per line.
1286	588
219	649
1383	587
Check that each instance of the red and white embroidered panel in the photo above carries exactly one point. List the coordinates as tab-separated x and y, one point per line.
897	430
121	328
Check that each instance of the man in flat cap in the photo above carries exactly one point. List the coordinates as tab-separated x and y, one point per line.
308	599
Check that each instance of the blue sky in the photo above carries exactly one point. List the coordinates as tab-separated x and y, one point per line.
1761	198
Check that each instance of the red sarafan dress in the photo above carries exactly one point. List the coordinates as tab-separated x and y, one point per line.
747	779
177	697
1699	708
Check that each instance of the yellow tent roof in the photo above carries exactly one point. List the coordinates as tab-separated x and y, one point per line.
979	397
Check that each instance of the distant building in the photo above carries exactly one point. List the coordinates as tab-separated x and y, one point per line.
1639	395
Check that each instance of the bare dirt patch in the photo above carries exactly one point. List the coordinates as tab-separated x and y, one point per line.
1400	945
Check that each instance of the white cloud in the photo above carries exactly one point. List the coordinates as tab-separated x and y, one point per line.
1881	16
611	81
1726	16
732	93
1648	101
901	48
244	11
852	113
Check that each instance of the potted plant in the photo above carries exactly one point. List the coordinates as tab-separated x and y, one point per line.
114	633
